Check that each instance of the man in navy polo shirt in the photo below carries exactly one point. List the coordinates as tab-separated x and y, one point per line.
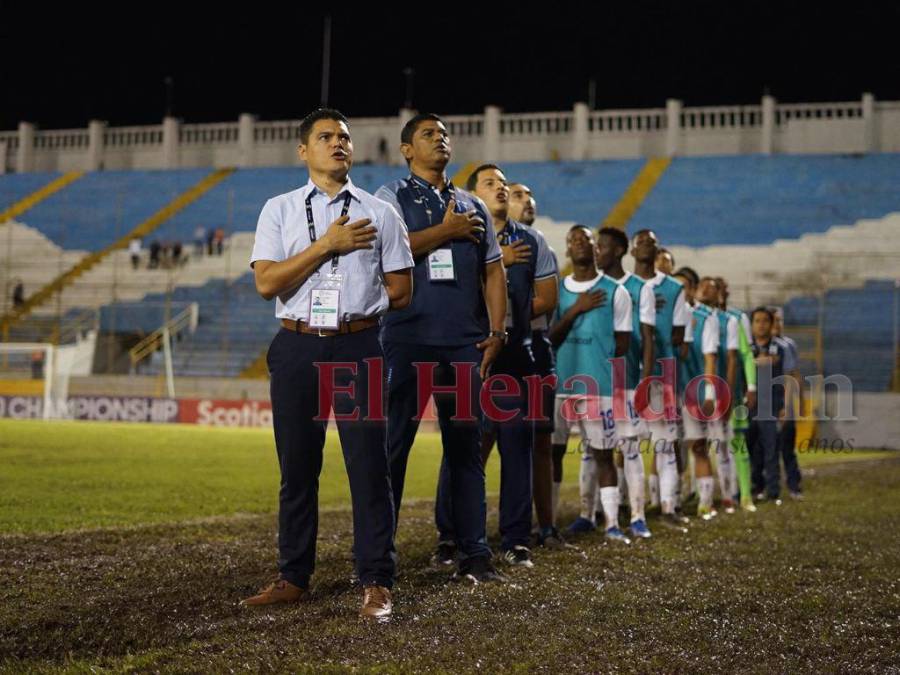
523	209
532	291
451	324
762	437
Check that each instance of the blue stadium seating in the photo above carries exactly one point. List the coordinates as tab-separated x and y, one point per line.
857	332
102	206
16	186
235	326
698	201
754	200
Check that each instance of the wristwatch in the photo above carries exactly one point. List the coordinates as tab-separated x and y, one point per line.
502	334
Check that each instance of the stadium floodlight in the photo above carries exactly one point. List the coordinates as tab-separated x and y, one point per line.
37	370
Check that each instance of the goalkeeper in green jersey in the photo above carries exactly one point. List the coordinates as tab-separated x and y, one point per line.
744	393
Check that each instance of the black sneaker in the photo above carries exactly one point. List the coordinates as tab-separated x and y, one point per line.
518	556
478	571
551	539
445	554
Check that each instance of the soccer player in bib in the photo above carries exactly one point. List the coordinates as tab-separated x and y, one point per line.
612	245
592	325
720	432
700	361
671	317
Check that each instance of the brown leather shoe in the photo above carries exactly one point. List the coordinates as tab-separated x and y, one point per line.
377	604
280	590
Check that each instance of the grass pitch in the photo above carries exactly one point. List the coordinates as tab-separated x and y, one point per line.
127	547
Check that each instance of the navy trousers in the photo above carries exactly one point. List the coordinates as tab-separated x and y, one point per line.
787	439
765	469
461	438
515	442
300	437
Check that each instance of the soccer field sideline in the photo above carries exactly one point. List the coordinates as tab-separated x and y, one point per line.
773	591
69	476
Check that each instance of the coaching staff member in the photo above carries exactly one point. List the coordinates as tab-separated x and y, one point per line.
456	317
335	258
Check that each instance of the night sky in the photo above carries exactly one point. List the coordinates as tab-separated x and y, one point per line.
62	67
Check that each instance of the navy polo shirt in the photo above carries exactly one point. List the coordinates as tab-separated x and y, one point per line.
774	348
441	313
520	278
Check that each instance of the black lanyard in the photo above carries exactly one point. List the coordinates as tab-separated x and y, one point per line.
311	222
422	198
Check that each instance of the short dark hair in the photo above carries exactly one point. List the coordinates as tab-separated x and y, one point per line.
643	231
616	235
579	226
472	180
662	250
307	123
689	273
409	129
764	310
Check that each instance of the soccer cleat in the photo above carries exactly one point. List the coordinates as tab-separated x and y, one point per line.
707	512
445	554
581	525
477	571
518	556
551	539
748	506
615	534
639	529
673	521
728	506
797	496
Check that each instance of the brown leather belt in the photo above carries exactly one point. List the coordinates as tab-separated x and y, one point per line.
343	328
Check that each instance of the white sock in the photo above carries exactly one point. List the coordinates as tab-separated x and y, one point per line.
587	484
724	469
609	497
653	489
706	485
667	470
554	509
634	476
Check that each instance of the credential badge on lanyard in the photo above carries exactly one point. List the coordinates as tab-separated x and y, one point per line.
440	260
325	296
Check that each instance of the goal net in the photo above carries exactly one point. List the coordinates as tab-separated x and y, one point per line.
34	379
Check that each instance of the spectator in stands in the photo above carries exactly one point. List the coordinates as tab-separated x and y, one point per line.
199	238
665	261
793	406
176	253
765	416
18	294
155	250
383	157
219	240
134	248
37	364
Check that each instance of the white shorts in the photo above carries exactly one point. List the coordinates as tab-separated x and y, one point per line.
633	425
666	428
594	419
720	430
692	428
